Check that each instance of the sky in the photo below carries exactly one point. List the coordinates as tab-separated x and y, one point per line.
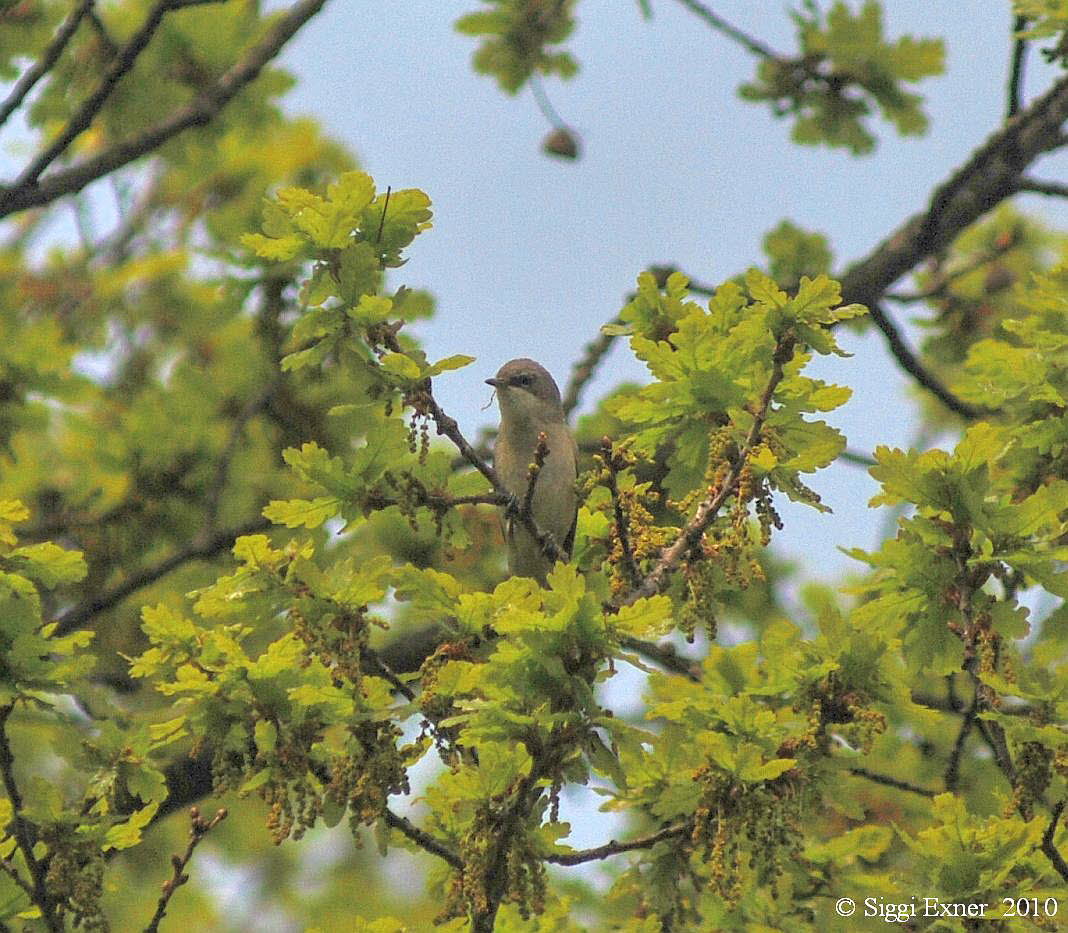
529	255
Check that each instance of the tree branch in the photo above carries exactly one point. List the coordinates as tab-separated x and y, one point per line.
664	655
199	112
1048	848
731	32
222	467
423	839
856	459
119	67
198	829
616	848
582	372
990	175
911	363
943	279
888	781
952	772
670	557
21	829
77	616
44	64
1016	70
1053	189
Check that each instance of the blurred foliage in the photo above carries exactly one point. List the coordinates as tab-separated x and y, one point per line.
241	563
844	71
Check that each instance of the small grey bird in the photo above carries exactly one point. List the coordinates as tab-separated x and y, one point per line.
530	405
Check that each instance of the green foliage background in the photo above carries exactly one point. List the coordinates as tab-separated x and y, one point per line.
252	563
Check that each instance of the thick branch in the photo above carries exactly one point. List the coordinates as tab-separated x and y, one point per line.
44	64
988	177
200	112
77	616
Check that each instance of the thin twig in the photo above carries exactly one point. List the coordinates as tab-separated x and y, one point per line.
1048	848
544	104
1016	71
44	64
76	616
615	848
911	363
111	47
222	466
423	839
952	772
119	67
732	32
944	279
622	526
21	828
13	873
541	451
198	829
670	557
200	112
664	655
582	372
856	458
888	781
379	668
1054	189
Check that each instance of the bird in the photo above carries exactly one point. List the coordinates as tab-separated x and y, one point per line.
530	406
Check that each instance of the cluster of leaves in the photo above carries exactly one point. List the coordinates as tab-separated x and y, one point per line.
55	840
510	698
517	40
844	70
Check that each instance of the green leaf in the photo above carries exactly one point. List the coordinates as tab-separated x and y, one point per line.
401	365
128	834
50	564
457	361
302	513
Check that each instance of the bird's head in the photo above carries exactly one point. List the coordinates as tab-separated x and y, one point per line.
527	393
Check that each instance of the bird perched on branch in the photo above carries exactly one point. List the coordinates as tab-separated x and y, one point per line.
535	457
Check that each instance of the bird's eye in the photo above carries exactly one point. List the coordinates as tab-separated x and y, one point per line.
523	380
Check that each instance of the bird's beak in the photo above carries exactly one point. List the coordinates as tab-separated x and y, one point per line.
496	383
